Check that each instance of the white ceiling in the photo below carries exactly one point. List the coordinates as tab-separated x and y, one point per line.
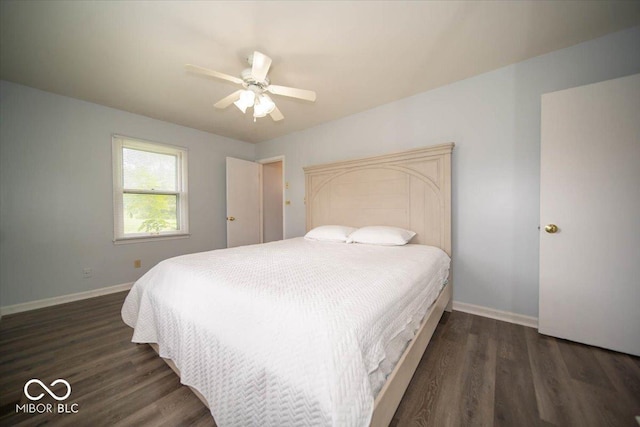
355	55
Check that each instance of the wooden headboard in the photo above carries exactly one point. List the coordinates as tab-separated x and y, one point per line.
411	189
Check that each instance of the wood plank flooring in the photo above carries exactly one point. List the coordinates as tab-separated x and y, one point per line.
475	372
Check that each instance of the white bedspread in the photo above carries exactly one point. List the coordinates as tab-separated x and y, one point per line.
284	333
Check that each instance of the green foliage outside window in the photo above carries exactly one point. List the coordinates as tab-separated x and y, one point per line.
150	213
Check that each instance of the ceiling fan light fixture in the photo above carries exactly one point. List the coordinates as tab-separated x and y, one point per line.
258	112
240	106
263	106
246	100
267	102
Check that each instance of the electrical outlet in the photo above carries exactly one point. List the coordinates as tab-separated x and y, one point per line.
86	272
137	263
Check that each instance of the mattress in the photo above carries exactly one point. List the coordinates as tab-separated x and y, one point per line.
295	332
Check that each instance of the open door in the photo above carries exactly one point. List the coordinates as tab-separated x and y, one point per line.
590	215
243	202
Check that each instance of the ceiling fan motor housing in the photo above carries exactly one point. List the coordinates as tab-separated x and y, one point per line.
249	80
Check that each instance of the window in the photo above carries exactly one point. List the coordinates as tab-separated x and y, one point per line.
149	190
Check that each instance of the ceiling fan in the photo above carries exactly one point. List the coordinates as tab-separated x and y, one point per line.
256	84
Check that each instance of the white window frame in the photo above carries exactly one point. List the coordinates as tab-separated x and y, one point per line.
120	142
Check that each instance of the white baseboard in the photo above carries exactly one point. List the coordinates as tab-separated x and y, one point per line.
47	302
478	310
492	313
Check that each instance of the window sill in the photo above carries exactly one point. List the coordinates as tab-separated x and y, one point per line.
145	239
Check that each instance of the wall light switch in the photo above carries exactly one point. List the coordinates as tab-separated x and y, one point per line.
286	185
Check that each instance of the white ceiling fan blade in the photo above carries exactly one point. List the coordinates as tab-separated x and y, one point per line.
226	101
211	73
276	115
260	67
308	95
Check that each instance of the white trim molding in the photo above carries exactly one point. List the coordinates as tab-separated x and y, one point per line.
48	302
492	313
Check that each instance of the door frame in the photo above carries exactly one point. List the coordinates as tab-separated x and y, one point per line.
268	160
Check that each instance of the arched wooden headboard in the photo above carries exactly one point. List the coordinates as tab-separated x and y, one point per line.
411	189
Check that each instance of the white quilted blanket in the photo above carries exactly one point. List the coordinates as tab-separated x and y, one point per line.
284	333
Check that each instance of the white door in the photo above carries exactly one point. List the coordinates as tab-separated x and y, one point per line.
243	202
590	189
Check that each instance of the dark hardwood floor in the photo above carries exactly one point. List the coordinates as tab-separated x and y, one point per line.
475	372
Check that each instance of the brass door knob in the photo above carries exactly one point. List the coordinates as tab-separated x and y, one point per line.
231	218
551	228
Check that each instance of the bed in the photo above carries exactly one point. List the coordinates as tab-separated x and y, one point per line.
270	335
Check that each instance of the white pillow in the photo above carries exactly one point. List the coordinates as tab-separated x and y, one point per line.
330	233
381	235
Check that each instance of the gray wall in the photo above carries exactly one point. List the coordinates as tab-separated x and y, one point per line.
494	119
272	201
56	210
